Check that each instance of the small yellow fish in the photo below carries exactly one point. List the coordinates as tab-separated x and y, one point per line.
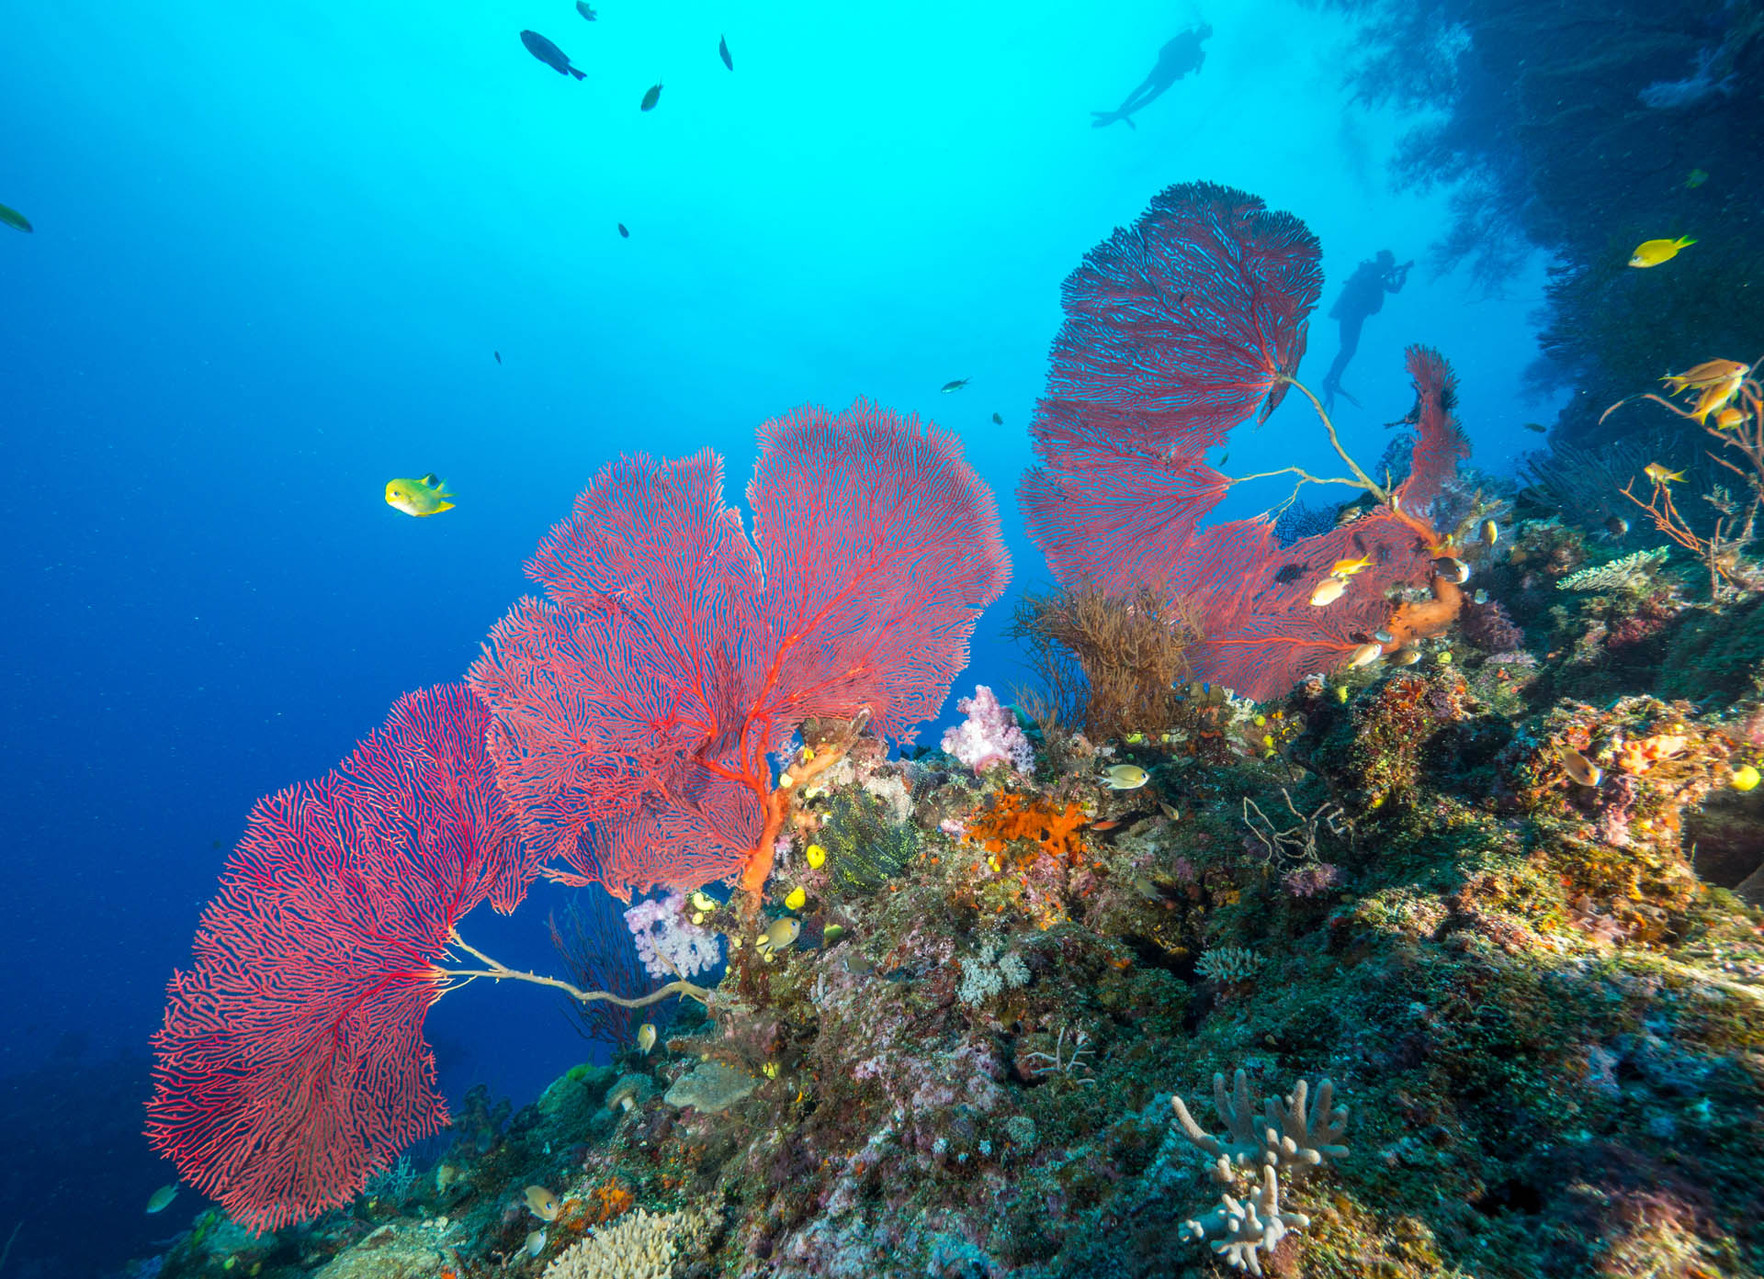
1654	252
796	899
1660	475
427	496
161	1199
1328	591
1125	777
543	1203
1729	418
1581	769
646	1037
1347	568
780	936
1405	657
1491	532
1718	380
1365	655
535	1242
1696	179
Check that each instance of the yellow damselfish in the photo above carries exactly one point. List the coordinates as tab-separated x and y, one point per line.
1660	475
427	496
1654	252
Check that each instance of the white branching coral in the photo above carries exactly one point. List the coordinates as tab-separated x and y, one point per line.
1241	1230
1633	573
641	1245
1287	1138
1229	964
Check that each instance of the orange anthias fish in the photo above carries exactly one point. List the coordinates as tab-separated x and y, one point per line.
1717	380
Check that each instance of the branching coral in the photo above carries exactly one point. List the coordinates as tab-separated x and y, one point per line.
1110	661
1291	1139
1635	574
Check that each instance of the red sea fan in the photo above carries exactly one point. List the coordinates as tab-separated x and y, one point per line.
291	1062
1176	331
1192	314
640	702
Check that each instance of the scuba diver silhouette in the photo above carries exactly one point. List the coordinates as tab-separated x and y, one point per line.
1361	296
1175	60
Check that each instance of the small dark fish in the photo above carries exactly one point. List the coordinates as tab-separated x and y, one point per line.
1616	526
651	98
1451	569
956	385
997	419
1539	427
623	231
1290	573
723	52
549	54
1224	457
14	219
498	355
583	9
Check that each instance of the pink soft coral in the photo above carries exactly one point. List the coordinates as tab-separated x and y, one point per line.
990	735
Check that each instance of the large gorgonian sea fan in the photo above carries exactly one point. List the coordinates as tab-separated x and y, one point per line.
291	1062
641	700
1179	329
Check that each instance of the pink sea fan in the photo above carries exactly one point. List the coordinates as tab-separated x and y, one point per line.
640	704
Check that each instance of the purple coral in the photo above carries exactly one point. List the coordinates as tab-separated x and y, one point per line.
669	946
1489	627
989	735
1309	881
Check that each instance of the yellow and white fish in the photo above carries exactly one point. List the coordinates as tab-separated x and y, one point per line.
1654	252
427	496
1125	777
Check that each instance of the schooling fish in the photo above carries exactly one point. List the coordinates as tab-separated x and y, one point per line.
956	385
1696	179
583	9
650	98
1347	568
1539	427
1654	252
998	419
498	355
1328	591
427	496
161	1199
723	52
623	232
14	219
1660	475
549	54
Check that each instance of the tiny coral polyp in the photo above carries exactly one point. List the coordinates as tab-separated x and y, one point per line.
1013	818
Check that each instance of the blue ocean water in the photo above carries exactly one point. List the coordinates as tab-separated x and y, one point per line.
277	252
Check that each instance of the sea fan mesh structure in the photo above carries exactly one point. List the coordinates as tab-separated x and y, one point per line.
1177	330
291	1062
640	700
